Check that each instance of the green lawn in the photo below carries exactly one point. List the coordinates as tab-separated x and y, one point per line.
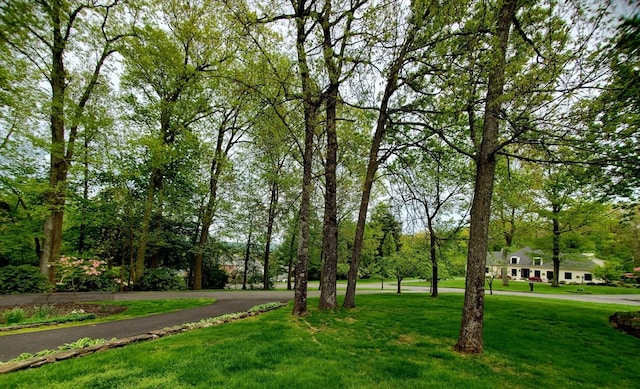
538	287
389	341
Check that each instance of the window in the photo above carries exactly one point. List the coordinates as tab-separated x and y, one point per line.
567	275
525	273
549	275
588	277
486	270
514	272
537	273
537	261
514	260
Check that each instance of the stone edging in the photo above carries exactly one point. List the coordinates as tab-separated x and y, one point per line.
116	343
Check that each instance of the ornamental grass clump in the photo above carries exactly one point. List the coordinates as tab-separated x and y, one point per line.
14	316
43	312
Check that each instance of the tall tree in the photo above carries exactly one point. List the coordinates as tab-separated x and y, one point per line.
566	206
470	338
166	68
336	22
311	105
407	44
60	30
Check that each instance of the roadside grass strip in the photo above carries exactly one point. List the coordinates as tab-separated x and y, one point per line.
86	346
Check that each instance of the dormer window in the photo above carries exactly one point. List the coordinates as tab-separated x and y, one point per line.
537	261
514	260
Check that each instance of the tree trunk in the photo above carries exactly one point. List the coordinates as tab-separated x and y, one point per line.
56	197
372	167
143	238
273	203
300	293
220	153
505	267
470	337
246	256
508	240
333	65
556	246
155	186
199	259
373	163
309	106
328	298
61	149
290	266
85	196
434	261
398	290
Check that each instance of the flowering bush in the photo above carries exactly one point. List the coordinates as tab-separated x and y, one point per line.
79	274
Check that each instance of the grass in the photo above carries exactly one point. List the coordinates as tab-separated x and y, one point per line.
137	308
539	287
388	341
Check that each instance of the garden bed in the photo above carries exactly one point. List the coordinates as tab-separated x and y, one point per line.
36	315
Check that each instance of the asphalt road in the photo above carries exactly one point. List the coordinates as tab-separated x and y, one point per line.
12	346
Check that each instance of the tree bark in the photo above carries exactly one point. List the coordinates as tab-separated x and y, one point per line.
58	164
143	239
556	245
85	196
504	266
309	107
246	256
273	204
508	240
434	261
328	298
290	265
209	211
470	338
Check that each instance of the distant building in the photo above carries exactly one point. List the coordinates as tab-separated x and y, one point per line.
526	263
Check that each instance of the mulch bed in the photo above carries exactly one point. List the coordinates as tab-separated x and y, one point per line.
627	322
63	309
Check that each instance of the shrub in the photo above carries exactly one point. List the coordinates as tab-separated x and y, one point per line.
22	279
214	278
14	316
161	278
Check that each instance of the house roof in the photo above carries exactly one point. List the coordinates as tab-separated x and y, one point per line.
576	262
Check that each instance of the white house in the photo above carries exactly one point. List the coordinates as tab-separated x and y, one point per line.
526	263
